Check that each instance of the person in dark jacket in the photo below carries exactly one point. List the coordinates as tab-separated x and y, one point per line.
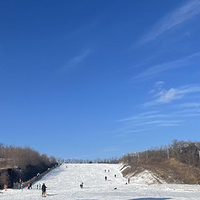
44	190
81	185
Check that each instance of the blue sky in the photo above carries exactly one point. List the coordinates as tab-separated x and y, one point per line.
88	79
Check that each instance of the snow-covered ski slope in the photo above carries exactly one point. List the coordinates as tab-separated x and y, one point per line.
64	184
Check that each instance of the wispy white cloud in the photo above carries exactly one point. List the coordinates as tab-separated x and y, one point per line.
75	61
143	122
78	59
164	96
186	110
157	69
164	122
173	115
159	84
139	116
137	130
112	148
173	19
132	131
157	122
146	123
172	94
190	105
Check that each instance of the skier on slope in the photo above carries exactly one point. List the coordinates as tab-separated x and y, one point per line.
44	190
81	185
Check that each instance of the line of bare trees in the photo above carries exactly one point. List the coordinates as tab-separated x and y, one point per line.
186	152
113	160
22	163
18	157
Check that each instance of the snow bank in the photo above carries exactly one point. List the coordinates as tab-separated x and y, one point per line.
146	177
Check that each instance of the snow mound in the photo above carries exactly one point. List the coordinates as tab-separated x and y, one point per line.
146	177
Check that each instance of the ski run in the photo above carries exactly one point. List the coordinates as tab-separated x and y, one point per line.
63	183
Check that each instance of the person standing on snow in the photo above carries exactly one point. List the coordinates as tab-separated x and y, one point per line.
81	185
44	190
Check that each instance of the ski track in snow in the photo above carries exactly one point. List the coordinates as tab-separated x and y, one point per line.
64	184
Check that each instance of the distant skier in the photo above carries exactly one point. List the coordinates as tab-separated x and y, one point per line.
81	185
5	187
44	190
115	175
106	178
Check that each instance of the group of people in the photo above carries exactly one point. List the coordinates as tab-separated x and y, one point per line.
43	187
106	178
40	187
29	186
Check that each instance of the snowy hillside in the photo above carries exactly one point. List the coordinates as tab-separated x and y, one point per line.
64	183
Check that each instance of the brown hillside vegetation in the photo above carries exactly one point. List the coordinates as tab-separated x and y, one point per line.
170	170
178	163
21	163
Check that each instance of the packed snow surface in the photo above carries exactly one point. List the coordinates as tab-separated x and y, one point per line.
63	183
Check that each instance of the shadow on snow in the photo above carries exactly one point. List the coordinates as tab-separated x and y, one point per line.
51	194
136	199
150	199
